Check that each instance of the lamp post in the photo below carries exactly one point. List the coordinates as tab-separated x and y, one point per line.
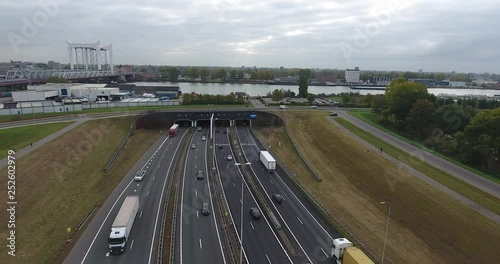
241	213
386	228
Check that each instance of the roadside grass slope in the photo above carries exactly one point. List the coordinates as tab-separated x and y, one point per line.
426	226
19	137
59	183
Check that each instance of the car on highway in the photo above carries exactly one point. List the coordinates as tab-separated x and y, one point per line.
255	213
205	209
224	131
199	128
229	157
314	107
333	114
220	146
203	138
199	175
217	131
139	176
193	146
278	198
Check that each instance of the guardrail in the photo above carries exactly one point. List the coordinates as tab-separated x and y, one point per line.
130	133
308	166
337	225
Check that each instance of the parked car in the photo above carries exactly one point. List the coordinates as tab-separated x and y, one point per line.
333	114
203	138
205	209
139	176
229	157
199	175
278	198
314	107
193	146
255	213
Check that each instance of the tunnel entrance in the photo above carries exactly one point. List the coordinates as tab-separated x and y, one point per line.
242	122
183	123
203	123
222	123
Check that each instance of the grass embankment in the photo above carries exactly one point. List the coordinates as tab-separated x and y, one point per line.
372	119
59	183
20	137
477	195
11	118
426	225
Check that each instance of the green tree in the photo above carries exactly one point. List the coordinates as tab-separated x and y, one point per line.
401	95
420	116
173	74
277	95
481	139
310	97
193	72
254	75
222	74
346	98
304	75
452	118
204	73
233	74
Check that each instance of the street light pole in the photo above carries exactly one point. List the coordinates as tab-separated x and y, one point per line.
241	213
386	229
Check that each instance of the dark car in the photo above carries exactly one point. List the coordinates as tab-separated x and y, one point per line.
217	131
205	209
278	198
224	131
255	213
220	146
333	114
199	175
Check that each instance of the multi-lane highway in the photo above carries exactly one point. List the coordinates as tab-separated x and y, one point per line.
199	237
141	247
310	233
260	241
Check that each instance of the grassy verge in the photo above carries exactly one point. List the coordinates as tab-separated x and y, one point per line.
370	118
20	137
426	225
475	194
10	118
56	191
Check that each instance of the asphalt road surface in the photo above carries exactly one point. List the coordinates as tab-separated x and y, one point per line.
260	242
141	246
199	239
309	233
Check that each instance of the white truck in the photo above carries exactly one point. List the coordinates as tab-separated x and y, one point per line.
343	252
268	161
120	230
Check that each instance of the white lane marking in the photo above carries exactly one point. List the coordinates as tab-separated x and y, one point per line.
262	169
196	157
234	185
195	166
158	166
107	254
154	178
140	214
195	192
241	201
201	245
147	194
252	225
324	252
299	220
268	260
135	190
137	185
163	156
197	214
271	181
161	199
131	245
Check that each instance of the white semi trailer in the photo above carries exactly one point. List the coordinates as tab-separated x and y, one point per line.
120	230
268	161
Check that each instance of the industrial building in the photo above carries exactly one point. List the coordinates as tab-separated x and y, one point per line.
352	75
91	92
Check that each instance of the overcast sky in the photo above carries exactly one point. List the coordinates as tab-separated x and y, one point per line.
434	35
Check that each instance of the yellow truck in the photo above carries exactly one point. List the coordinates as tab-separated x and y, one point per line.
343	252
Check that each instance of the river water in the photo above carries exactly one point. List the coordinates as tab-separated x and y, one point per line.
263	89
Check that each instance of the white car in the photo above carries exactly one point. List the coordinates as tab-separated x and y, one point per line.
229	157
139	176
203	138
